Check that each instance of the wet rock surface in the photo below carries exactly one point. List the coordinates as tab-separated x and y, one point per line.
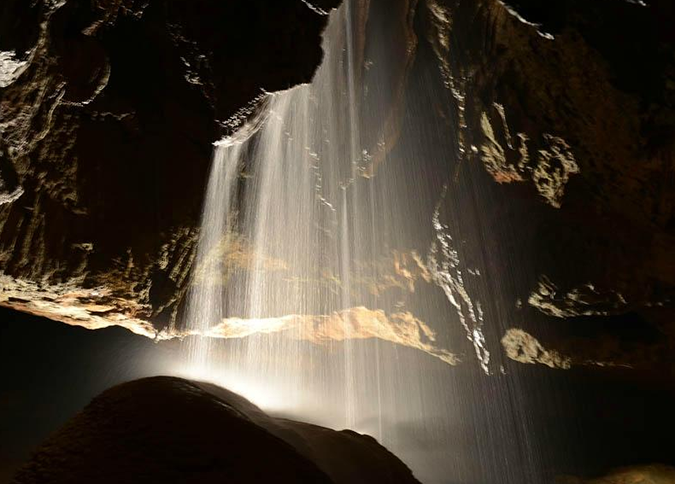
166	429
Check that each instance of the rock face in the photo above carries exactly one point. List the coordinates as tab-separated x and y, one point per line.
108	110
568	111
171	430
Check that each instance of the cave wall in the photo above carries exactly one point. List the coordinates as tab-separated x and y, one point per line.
576	101
108	110
562	116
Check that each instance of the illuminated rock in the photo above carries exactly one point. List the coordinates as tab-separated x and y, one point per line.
649	474
524	348
171	430
351	324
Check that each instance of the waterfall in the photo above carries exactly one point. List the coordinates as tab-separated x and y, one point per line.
324	288
206	305
281	233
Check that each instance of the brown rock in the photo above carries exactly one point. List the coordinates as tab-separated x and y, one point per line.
169	430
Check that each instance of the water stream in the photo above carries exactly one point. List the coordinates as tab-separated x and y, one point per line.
331	291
